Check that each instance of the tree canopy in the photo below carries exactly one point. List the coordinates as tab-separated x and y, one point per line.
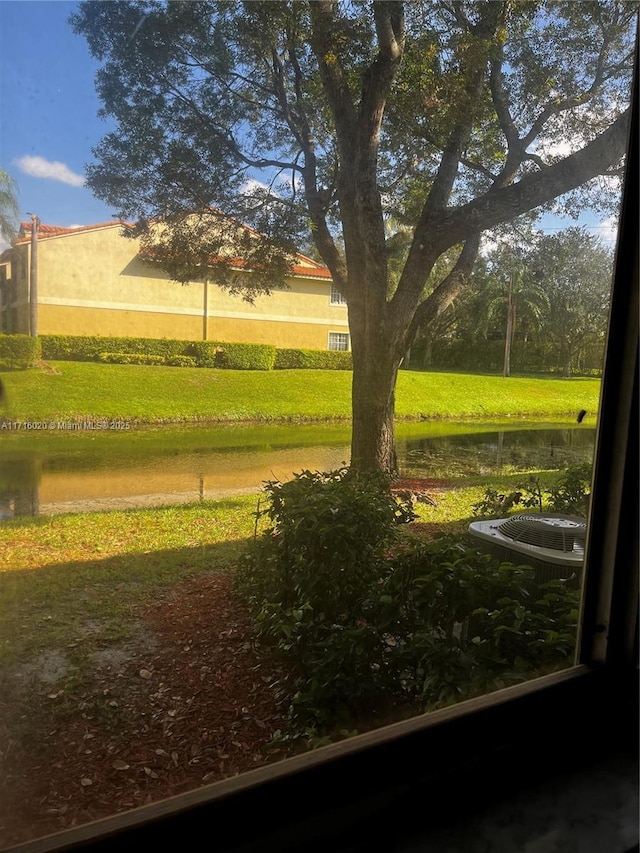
574	269
393	132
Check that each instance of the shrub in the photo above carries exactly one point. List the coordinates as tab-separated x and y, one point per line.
308	575
297	359
232	356
327	538
89	347
571	495
573	491
18	352
464	623
367	629
180	361
205	353
130	358
247	356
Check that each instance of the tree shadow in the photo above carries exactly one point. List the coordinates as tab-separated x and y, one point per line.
96	600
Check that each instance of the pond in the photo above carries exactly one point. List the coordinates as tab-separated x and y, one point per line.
53	472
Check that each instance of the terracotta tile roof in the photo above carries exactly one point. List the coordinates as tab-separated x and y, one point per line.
45	231
306	267
313	272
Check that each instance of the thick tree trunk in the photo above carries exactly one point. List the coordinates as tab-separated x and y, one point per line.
373	401
375	370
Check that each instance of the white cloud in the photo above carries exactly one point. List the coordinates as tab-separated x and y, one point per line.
251	184
608	229
38	167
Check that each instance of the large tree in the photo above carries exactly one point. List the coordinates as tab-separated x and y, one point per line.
444	116
573	268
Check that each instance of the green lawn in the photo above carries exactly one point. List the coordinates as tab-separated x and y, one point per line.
59	573
146	394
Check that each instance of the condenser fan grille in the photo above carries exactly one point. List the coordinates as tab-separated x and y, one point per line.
558	533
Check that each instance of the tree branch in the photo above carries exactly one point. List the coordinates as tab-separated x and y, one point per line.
439	300
506	203
325	48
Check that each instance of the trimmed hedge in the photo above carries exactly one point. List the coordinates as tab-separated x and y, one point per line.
233	356
89	347
18	352
130	358
205	353
189	353
181	361
315	359
247	356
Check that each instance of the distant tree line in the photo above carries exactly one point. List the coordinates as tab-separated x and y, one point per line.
557	292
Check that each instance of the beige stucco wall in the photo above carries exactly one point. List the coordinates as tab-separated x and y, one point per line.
92	282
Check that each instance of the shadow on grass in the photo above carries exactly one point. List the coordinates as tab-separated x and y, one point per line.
65	603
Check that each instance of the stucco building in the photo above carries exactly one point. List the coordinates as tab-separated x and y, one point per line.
93	281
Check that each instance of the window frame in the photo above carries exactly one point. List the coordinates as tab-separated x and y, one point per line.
335	297
428	768
346	335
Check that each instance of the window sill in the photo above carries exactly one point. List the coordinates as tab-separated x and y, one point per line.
379	787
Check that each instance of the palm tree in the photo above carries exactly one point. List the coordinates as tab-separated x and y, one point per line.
522	299
9	209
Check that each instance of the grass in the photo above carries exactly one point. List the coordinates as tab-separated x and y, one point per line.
60	574
76	391
63	573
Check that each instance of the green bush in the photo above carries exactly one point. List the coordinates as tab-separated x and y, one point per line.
217	354
247	356
89	347
205	353
571	495
328	535
300	359
573	492
180	361
368	629
130	358
463	623
232	356
18	352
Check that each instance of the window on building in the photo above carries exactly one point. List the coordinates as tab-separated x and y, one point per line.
339	341
336	297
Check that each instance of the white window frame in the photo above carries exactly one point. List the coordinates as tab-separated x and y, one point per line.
336	298
322	795
345	335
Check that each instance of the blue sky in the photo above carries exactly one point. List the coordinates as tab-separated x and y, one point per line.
49	115
49	112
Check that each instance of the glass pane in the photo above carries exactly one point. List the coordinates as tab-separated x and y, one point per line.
224	540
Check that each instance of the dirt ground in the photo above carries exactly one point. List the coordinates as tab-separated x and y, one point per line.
190	700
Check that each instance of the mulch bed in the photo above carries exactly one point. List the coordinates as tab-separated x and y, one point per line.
421	484
196	706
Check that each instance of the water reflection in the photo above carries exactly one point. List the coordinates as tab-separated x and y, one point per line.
485	453
78	476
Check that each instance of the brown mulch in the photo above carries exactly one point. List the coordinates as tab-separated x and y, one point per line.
421	484
195	701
